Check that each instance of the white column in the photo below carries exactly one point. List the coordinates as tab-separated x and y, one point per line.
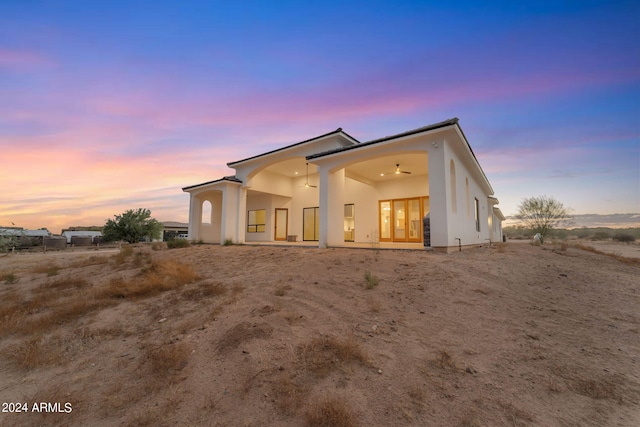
438	187
323	189
195	217
242	215
331	208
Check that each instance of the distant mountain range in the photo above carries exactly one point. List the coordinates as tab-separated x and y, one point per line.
594	220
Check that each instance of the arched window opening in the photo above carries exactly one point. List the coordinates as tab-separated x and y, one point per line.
207	210
467	197
454	193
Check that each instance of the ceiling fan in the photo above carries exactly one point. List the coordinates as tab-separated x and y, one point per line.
397	171
306	183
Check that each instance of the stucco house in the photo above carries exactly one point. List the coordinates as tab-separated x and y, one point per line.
420	188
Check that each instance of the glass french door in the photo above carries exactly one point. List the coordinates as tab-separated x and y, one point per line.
282	216
401	220
385	221
311	224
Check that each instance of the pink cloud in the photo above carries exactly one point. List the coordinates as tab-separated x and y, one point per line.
21	59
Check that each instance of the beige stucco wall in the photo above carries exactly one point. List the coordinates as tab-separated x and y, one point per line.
264	189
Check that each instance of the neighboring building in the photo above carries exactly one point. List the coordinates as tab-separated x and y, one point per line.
81	233
26	238
171	230
18	231
419	188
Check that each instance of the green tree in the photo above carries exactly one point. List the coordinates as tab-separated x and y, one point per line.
8	240
132	226
542	214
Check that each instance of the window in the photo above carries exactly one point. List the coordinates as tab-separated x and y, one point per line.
207	210
349	223
256	221
467	197
476	205
454	193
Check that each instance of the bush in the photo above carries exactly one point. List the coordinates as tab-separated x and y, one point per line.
601	235
371	280
132	226
622	237
10	278
178	243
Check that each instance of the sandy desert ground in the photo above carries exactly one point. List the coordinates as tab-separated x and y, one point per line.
508	335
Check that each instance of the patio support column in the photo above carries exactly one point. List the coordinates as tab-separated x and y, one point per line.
331	207
242	215
195	217
438	196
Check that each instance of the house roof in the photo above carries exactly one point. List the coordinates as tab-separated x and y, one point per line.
175	224
335	132
387	138
226	178
22	232
450	122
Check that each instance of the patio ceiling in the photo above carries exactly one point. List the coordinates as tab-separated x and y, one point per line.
416	163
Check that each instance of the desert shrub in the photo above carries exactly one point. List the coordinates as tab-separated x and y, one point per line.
64	283
371	280
281	290
35	352
140	258
445	361
125	252
324	354
374	305
157	246
10	278
169	358
228	242
8	242
332	412
623	237
204	290
601	235
178	243
289	393
157	278
92	260
49	269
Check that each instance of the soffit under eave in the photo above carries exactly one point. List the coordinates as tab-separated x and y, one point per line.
384	147
299	146
219	185
474	161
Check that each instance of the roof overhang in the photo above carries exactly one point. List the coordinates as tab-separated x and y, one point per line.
348	140
226	179
425	129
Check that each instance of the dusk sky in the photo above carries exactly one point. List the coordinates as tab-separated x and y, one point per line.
113	105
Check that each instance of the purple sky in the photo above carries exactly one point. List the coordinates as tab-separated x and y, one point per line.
114	105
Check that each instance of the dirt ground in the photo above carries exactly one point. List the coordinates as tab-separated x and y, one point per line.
508	335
